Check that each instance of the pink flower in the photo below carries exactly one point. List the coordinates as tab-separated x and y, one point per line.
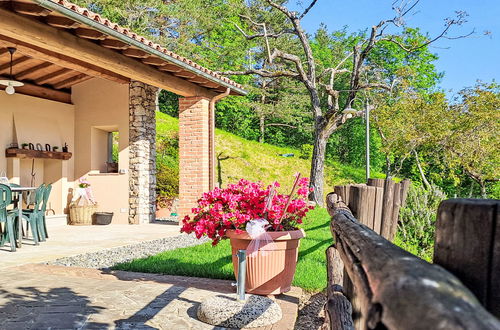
233	207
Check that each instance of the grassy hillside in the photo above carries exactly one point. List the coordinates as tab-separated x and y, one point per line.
260	161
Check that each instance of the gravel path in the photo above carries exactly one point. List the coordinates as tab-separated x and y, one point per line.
109	257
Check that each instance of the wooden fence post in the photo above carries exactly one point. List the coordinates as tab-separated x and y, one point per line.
468	245
387	205
338	308
398	290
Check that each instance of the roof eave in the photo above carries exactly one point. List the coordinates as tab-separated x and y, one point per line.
115	34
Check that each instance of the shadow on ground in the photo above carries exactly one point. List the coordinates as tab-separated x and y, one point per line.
57	308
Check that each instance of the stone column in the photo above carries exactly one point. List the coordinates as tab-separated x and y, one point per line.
194	153
142	152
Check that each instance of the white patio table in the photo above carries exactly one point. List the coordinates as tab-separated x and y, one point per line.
18	203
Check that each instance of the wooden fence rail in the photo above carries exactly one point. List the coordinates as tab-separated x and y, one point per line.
396	290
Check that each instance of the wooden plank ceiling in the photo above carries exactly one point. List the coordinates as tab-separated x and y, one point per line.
53	76
39	72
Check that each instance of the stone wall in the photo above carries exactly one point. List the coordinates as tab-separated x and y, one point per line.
142	149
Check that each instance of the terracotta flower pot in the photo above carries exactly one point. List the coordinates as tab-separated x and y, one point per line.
271	271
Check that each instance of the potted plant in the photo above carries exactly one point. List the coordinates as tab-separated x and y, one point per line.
24	145
55	149
272	253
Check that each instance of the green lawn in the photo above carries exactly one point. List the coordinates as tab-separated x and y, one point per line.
215	262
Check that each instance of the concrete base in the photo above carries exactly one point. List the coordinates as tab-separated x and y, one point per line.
226	311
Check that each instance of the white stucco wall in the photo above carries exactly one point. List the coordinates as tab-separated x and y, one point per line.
26	119
100	106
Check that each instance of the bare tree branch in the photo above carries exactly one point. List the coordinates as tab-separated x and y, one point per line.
262	73
440	36
261	35
291	15
308	9
310	81
291	58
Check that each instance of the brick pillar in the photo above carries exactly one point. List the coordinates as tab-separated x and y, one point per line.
142	152
194	154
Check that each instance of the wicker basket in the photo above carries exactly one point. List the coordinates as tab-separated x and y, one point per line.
81	215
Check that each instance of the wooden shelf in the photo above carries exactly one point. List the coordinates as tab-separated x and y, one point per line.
27	153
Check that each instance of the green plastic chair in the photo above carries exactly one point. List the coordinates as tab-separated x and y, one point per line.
34	218
42	229
8	218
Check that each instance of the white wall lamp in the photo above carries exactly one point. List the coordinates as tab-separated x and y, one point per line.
11	83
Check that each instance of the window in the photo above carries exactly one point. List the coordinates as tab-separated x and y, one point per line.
113	152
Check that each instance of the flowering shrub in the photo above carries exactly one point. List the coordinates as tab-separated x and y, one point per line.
231	208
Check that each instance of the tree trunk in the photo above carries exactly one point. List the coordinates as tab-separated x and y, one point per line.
483	189
388	167
262	126
471	191
318	166
421	171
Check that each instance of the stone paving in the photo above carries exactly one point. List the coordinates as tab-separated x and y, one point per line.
36	296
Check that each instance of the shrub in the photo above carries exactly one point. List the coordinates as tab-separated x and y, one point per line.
167	182
418	220
306	151
167	168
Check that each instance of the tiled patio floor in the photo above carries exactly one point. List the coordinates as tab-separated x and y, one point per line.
56	297
38	296
67	240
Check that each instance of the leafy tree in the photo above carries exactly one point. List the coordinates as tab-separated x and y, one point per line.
288	52
411	123
474	144
445	141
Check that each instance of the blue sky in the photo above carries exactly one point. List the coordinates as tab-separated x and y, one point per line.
463	60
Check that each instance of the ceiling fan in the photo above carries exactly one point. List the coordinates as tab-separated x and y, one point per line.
10	84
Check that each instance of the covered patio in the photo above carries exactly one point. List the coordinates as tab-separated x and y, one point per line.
92	86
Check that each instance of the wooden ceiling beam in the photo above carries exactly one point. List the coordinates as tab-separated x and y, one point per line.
72	81
51	76
3	51
153	60
70	51
198	80
28	72
136	53
185	74
91	34
209	85
31	9
61	22
114	44
42	92
60	60
15	62
170	68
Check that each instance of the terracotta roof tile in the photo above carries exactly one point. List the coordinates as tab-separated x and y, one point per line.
126	32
